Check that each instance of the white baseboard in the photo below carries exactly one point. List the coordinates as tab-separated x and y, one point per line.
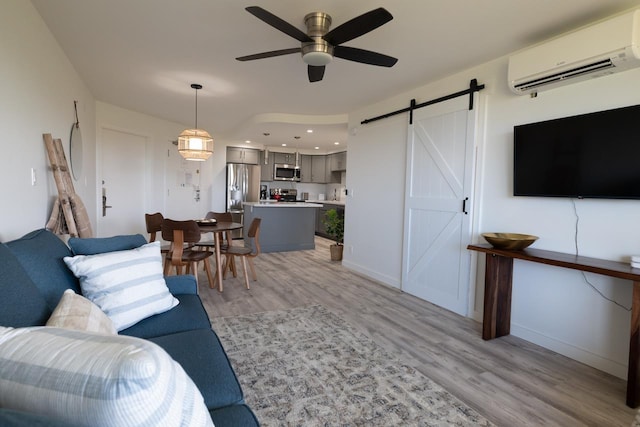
576	353
387	280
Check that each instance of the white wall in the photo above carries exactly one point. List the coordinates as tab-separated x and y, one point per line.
38	86
168	189
551	306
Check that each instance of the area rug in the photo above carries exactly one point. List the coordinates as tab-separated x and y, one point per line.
308	367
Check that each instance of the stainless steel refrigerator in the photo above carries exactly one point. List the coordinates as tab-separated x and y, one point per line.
243	185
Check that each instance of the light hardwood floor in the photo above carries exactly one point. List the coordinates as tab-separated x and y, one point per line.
510	381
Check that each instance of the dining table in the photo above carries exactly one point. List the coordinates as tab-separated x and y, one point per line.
217	228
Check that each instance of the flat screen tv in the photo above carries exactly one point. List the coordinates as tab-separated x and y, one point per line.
594	155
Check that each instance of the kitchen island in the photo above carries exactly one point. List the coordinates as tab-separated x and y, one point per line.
286	226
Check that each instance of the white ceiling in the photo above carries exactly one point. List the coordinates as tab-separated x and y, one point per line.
143	55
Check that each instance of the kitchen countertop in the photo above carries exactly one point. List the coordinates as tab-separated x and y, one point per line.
328	202
271	204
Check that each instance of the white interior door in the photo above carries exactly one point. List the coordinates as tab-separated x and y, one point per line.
123	183
440	147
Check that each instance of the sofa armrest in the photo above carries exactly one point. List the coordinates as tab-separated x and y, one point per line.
182	284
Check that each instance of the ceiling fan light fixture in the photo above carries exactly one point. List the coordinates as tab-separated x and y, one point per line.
195	144
317	54
317	59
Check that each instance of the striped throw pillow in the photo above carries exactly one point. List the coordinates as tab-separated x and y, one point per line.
128	286
86	378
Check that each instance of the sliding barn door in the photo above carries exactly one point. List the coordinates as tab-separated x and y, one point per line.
437	218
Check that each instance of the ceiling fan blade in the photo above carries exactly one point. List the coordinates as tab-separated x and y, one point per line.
364	56
269	54
315	73
278	23
358	26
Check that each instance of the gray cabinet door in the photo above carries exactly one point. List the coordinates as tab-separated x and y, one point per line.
338	161
306	170
288	158
319	169
251	156
242	155
234	155
321	229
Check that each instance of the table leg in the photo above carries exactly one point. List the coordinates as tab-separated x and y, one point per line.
497	297
216	239
633	374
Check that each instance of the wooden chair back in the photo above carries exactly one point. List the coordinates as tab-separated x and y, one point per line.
188	229
154	224
254	233
219	216
183	235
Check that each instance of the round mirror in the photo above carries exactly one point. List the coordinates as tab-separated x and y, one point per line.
75	151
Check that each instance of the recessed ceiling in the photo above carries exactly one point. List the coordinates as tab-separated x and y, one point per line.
143	55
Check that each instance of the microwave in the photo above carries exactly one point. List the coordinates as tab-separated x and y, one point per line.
285	172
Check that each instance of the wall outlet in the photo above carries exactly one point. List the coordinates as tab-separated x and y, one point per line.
350	249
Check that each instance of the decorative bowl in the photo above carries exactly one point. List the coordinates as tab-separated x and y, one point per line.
509	241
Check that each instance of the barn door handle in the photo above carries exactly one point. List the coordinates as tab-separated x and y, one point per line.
464	206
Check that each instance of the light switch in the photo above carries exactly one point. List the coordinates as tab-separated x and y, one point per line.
33	177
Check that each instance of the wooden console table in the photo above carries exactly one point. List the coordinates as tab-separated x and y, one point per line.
497	296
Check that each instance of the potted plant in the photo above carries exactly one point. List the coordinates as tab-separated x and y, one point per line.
334	225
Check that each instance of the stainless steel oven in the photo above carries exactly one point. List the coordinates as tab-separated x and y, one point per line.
285	172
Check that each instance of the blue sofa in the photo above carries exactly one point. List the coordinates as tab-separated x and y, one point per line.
33	277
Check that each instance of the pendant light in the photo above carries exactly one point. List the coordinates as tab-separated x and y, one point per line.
195	144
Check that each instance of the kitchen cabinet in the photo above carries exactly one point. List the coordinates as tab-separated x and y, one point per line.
306	170
290	225
321	229
242	155
338	161
287	158
313	169
319	169
266	166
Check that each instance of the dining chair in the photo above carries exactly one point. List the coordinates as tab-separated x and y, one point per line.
183	235
247	252
154	225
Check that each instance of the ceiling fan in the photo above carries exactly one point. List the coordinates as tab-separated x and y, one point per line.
319	45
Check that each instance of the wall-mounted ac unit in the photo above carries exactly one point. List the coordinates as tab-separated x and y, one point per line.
601	49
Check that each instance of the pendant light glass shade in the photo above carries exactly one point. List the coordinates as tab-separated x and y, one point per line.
195	144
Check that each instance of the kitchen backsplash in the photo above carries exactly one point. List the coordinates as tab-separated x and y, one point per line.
314	190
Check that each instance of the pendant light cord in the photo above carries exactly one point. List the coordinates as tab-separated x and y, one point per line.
196	86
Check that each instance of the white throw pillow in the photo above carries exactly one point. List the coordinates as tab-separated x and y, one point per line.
92	379
128	286
76	312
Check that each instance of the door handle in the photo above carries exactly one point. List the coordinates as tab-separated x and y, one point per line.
464	206
104	202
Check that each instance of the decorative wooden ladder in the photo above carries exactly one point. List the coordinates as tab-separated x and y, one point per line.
69	215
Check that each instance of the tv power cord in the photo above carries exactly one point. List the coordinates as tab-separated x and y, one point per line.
584	275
